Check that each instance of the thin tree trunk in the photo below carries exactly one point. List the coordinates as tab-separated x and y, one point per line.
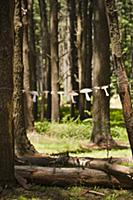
32	55
88	49
55	116
84	46
46	59
123	86
73	50
6	93
81	57
29	121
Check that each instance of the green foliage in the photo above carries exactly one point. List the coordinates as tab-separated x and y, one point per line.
116	117
22	198
119	133
125	11
71	129
70	134
118	130
75	193
111	197
76	129
42	127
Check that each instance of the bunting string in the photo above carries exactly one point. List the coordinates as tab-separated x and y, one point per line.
72	94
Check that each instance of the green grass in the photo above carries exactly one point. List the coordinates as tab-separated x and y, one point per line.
74	148
69	135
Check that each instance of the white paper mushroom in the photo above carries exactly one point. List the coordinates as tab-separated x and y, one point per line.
35	94
105	89
86	91
72	94
61	93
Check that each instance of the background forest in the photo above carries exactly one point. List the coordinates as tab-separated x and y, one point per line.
66	119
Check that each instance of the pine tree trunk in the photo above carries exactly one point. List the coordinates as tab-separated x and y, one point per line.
123	86
29	120
6	93
22	144
81	57
46	59
101	77
32	55
73	50
88	48
55	116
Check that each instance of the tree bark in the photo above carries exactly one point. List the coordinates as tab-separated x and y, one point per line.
46	60
32	55
55	116
71	5
22	144
29	120
81	57
88	49
6	93
101	77
123	86
107	176
66	161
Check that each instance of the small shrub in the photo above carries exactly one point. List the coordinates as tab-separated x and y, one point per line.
42	127
111	197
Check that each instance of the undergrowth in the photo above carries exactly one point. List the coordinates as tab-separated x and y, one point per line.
74	128
67	136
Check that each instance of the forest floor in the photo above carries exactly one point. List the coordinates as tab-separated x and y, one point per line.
51	139
38	192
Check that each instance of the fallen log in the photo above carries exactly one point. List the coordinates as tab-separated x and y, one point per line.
123	173
76	176
65	176
67	161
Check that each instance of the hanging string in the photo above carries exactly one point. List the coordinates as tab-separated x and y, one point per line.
72	94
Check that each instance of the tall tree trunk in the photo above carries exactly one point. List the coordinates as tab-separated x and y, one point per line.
84	46
46	57
6	91
101	76
22	144
88	48
33	57
54	60
81	57
73	49
123	86
29	121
